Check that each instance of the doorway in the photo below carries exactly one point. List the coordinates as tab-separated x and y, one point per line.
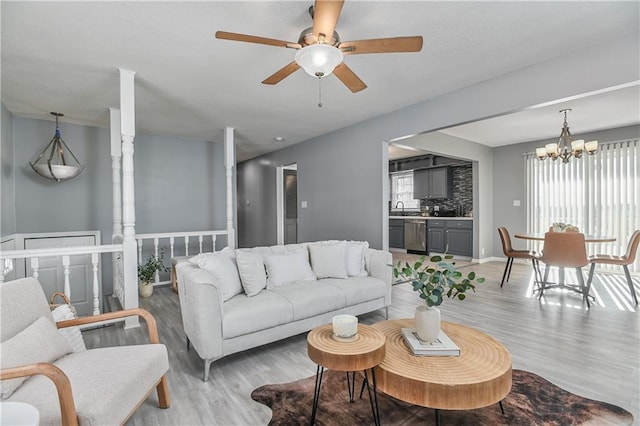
287	211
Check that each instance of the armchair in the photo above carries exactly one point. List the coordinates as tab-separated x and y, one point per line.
96	386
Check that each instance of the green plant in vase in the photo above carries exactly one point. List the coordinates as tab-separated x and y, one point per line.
434	280
147	272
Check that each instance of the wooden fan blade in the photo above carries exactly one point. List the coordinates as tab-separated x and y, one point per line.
282	73
325	17
255	39
382	45
349	78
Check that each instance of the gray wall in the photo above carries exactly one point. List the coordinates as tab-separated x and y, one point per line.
509	177
338	176
7	186
179	184
354	205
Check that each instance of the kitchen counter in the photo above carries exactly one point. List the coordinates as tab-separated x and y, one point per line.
430	217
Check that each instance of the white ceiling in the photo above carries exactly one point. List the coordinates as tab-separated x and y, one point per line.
63	56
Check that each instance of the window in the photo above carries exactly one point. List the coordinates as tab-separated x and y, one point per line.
402	190
600	194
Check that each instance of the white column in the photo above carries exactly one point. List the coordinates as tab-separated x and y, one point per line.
229	163
129	253
116	157
116	181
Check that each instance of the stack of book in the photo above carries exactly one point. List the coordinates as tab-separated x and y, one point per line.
442	346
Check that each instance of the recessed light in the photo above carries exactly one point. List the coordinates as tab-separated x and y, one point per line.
278	139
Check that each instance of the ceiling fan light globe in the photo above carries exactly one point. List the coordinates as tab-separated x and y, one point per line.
319	60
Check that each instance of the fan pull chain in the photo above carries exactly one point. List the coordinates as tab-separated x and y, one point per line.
319	92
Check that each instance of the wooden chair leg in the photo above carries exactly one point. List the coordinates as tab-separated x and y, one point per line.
630	282
163	393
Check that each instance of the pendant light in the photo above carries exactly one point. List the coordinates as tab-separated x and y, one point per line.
56	161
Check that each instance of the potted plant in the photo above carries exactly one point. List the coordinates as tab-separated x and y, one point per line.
434	280
147	272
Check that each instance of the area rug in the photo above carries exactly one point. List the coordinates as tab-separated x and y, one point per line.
532	401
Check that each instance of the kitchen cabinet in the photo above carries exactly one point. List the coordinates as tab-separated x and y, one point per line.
436	236
460	237
432	183
450	236
439	183
396	233
420	184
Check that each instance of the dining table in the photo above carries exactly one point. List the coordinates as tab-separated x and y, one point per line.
588	238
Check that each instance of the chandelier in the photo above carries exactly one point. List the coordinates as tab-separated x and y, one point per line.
565	148
56	161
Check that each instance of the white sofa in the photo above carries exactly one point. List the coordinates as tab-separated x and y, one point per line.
221	316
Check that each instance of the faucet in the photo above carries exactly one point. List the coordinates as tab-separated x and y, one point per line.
402	206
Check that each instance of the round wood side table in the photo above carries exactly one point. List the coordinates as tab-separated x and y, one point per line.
361	353
479	377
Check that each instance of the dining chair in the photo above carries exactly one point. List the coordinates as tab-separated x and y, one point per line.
564	250
511	254
625	260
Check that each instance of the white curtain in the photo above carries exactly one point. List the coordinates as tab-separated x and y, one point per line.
600	194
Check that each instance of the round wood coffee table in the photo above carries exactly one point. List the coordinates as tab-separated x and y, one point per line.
479	377
361	353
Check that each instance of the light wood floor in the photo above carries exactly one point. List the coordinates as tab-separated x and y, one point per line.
594	353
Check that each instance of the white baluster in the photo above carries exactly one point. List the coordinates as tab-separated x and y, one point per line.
35	266
186	245
200	243
155	252
171	241
213	243
140	242
95	259
65	267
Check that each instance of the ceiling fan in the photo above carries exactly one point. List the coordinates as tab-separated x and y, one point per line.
320	51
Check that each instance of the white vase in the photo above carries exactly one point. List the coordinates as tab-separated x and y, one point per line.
427	323
145	289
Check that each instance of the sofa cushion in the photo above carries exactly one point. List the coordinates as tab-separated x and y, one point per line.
312	298
355	264
283	269
106	383
222	266
359	289
244	315
328	260
39	342
252	273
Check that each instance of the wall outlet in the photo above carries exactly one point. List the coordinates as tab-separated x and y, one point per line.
516	203
482	252
303	204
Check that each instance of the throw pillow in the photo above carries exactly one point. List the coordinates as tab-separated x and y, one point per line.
355	258
40	342
73	335
283	269
328	260
224	270
252	273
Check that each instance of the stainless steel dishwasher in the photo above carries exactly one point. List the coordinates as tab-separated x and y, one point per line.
415	235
